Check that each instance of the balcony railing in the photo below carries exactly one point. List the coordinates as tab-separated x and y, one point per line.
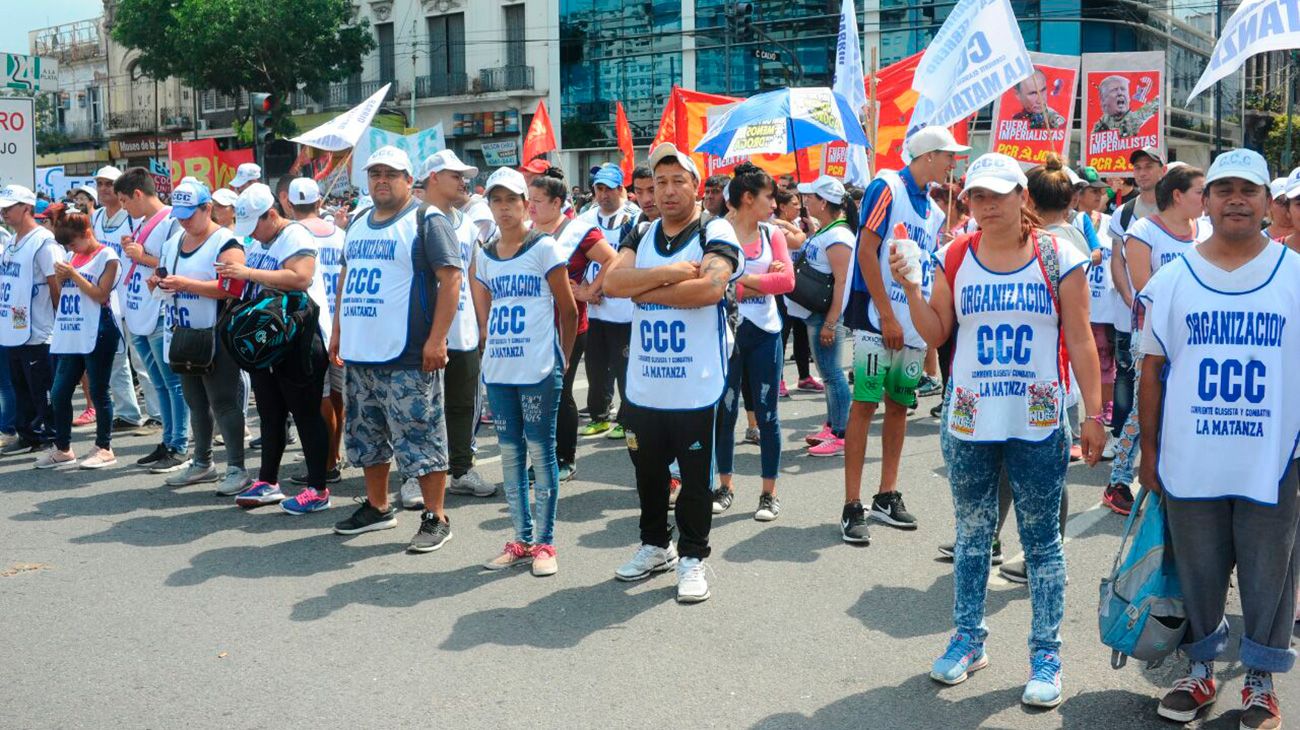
506	78
174	118
133	120
454	84
342	95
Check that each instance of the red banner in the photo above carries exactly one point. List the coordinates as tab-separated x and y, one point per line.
1035	116
895	99
201	159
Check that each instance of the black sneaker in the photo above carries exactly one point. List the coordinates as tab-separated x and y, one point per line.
948	550
433	534
937	411
853	524
158	452
333	476
20	447
889	509
768	507
121	425
171	461
1015	572
722	499
367	519
150	427
255	443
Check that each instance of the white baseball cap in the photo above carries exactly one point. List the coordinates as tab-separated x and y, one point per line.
446	160
14	194
933	139
827	188
225	196
1245	164
88	190
109	173
304	191
996	172
1277	188
508	178
392	157
246	173
667	150
251	205
1075	180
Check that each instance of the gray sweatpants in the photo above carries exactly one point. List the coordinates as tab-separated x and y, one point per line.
1209	538
218	396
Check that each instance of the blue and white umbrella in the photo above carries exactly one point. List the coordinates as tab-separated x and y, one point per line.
782	121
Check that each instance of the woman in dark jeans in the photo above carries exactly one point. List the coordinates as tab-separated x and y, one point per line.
788	218
281	255
85	337
545	208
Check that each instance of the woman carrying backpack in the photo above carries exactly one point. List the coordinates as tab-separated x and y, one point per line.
756	361
195	299
1015	295
520	286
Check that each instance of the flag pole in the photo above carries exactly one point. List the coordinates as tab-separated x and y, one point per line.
871	112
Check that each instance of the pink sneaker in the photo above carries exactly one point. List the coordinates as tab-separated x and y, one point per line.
819	437
830	447
86	418
782	391
811	385
1076	452
1108	412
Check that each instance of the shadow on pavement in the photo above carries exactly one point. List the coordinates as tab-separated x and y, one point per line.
918	702
784	544
300	557
391	590
904	612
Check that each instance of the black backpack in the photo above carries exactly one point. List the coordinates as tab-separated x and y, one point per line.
261	332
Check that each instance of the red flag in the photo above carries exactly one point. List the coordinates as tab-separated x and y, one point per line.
625	143
895	99
540	138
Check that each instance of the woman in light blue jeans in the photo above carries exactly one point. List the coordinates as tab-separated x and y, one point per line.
167	385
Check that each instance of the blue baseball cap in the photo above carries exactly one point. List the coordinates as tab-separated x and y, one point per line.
608	175
187	198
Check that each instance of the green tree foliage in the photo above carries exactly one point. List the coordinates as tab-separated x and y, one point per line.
231	46
1275	144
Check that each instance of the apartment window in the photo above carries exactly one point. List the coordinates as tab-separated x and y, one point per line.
92	101
447	45
515	51
387	52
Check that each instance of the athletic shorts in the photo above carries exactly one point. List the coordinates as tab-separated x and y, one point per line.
879	371
393	412
334	380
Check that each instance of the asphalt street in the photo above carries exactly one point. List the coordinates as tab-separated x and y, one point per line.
126	604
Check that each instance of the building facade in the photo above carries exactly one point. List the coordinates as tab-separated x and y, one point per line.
76	113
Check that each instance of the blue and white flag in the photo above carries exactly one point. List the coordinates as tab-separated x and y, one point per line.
1257	26
977	54
851	84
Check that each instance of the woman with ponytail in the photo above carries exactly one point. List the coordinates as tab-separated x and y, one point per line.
1004	406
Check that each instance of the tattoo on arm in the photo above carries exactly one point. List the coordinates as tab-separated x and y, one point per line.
716	269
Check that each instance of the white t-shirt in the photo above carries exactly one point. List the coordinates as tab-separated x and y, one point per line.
42	308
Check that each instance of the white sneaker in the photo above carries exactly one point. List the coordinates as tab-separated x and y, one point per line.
1108	452
412	497
53	459
472	484
692	586
98	459
647	561
235	481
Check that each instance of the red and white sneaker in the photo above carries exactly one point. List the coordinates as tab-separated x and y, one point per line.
1189	696
830	447
820	436
1259	709
811	384
782	391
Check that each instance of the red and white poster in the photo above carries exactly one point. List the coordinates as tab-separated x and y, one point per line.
1036	116
1123	108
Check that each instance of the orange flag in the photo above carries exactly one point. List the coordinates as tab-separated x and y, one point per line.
540	138
895	99
625	143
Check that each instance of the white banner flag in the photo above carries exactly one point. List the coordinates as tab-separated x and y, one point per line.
417	146
977	54
1257	26
851	84
343	131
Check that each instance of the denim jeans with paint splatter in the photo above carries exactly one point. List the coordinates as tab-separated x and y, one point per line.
757	355
830	364
524	416
1037	473
1126	452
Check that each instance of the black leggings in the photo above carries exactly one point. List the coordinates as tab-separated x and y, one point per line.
286	389
566	426
793	326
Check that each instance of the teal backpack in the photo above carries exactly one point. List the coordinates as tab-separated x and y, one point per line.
260	332
1141	610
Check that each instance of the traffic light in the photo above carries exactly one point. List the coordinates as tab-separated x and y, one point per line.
744	19
262	106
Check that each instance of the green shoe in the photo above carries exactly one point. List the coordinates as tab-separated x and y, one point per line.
616	433
595	428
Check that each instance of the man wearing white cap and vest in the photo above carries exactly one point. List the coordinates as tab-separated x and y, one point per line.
245	175
399	292
888	352
677	276
445	177
27	278
112	223
1220	423
608	318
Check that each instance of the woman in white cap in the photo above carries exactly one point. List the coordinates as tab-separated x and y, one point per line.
223	207
1279	211
1014	294
828	251
520	283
